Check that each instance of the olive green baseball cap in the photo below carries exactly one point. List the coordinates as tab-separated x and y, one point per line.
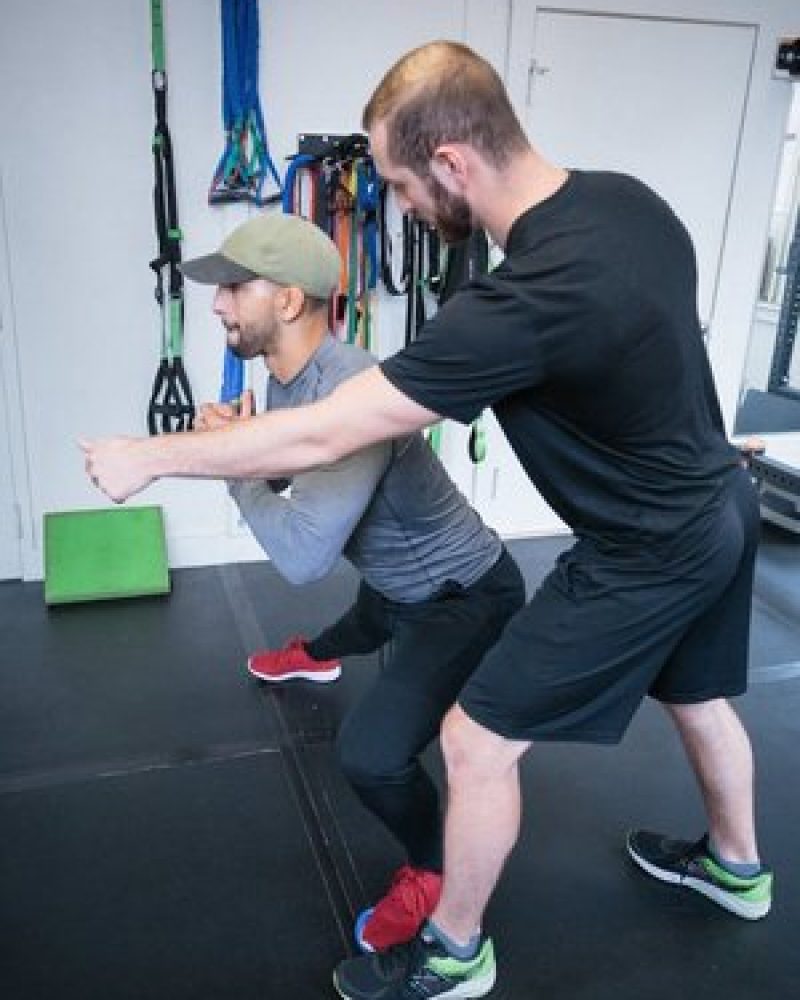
286	249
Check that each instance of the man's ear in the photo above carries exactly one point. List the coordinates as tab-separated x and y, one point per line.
449	166
290	303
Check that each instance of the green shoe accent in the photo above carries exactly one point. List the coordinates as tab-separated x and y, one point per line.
456	968
755	887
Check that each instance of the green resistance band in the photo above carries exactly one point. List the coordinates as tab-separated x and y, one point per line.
477	441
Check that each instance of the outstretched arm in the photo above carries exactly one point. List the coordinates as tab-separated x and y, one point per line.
364	409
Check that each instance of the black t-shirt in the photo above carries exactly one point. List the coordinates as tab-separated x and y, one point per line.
586	343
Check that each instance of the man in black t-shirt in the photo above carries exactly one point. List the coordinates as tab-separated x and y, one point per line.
586	344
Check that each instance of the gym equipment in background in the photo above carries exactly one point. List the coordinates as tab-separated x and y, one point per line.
246	161
171	404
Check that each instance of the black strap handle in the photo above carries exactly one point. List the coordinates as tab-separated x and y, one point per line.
171	404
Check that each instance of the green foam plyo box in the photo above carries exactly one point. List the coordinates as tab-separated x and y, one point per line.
98	555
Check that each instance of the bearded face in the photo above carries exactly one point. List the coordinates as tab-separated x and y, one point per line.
248	316
452	215
251	338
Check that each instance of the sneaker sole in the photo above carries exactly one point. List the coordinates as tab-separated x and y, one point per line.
474	988
317	676
358	930
740	907
469	990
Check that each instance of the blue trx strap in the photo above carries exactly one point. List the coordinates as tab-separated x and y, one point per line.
245	161
232	377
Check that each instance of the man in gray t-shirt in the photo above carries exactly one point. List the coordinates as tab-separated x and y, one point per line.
435	580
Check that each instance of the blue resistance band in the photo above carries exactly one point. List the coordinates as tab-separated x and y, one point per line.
367	193
245	162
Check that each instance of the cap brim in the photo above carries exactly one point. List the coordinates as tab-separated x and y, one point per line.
215	269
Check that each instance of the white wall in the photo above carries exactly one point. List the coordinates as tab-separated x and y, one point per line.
80	338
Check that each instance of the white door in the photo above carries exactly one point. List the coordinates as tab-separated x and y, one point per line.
661	99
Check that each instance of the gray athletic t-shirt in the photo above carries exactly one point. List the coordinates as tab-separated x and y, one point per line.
390	509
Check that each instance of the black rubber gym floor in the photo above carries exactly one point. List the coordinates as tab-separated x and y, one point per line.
172	830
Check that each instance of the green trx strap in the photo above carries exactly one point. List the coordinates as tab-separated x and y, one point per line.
477	441
464	262
433	435
171	404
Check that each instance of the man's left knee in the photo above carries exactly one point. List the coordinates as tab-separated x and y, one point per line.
471	750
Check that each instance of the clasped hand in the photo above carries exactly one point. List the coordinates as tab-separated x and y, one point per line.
212	416
117	466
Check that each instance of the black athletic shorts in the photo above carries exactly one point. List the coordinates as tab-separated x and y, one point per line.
603	631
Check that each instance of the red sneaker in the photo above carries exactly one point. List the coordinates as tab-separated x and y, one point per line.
395	919
292	662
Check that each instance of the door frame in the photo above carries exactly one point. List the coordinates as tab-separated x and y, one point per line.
11	399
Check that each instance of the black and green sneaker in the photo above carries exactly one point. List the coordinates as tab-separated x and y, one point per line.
682	862
418	970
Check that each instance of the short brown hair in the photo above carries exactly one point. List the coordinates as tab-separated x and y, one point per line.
444	92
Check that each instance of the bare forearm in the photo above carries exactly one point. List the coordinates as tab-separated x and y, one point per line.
363	410
263	447
122	467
